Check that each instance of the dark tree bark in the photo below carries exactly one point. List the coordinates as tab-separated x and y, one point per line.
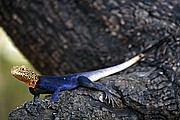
68	36
73	36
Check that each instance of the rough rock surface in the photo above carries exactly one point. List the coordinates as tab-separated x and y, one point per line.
68	36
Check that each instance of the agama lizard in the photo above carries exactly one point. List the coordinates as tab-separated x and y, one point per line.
42	84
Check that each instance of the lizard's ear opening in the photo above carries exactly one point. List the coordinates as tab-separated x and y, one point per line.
31	84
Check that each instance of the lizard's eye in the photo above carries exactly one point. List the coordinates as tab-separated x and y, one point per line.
22	69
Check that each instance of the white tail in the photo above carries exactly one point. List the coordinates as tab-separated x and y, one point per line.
97	74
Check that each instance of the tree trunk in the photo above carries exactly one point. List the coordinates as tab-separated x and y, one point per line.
69	36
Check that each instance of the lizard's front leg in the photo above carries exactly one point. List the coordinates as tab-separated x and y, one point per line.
36	97
53	98
84	81
35	92
55	95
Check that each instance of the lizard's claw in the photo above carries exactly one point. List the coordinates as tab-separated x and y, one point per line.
48	103
110	99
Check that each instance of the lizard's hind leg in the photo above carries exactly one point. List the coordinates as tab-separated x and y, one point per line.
84	81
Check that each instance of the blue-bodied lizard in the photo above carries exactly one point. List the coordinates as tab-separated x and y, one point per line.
42	84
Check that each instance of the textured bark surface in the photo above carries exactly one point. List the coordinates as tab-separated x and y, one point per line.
67	36
139	97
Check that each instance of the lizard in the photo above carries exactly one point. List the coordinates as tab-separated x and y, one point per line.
44	84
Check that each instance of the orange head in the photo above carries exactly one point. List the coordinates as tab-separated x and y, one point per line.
25	74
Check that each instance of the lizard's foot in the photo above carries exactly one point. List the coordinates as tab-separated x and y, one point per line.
110	99
48	103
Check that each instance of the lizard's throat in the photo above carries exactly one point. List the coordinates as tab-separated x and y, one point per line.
29	80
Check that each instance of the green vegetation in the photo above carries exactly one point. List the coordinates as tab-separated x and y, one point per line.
12	92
